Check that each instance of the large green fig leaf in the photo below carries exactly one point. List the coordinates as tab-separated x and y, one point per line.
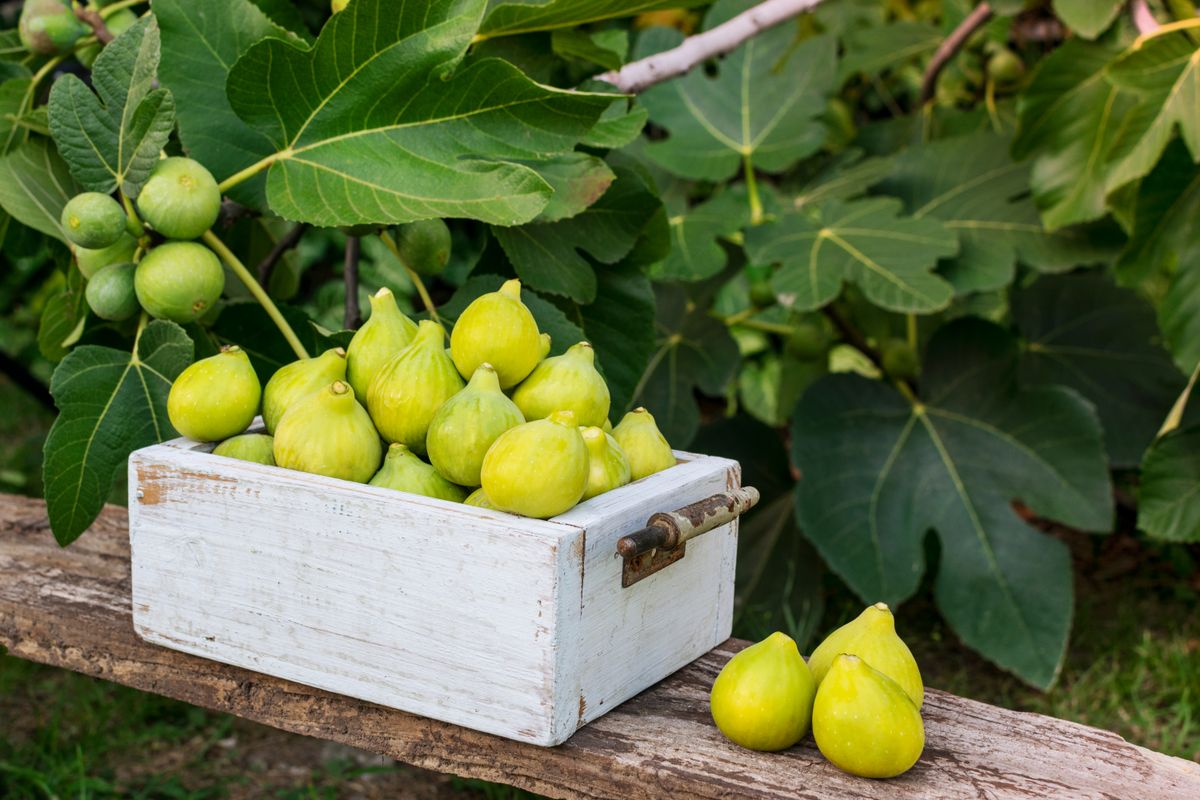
14	97
1102	341
578	180
35	184
1164	214
974	187
762	109
1177	313
620	325
696	234
509	17
1088	18
1169	493
382	128
872	49
1165	75
62	316
1069	117
881	471
845	177
867	242
113	141
110	403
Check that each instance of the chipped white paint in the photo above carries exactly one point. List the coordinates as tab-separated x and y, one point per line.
508	625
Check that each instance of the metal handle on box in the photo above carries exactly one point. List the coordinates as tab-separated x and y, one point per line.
663	541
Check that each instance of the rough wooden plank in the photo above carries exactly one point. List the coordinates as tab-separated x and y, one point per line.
70	608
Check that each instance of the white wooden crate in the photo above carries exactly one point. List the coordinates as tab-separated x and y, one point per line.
508	625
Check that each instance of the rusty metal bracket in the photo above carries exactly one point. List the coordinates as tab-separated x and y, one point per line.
664	539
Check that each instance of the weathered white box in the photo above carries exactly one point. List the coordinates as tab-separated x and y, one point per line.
513	626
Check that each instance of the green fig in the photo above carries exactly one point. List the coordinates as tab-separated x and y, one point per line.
110	293
569	381
93	220
646	448
179	281
338	6
180	199
49	27
544	343
463	429
403	471
216	397
499	329
293	382
424	246
608	468
872	637
117	24
328	433
763	698
410	388
479	499
92	261
256	447
539	469
385	333
863	721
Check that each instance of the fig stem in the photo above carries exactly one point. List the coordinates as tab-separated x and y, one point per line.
259	293
250	171
756	208
426	300
131	212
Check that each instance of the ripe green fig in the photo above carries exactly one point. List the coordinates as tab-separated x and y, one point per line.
644	446
91	261
467	424
1005	68
179	281
569	381
411	387
762	293
763	698
608	468
216	397
181	199
256	447
329	433
544	342
808	341
900	359
117	24
403	471
424	246
872	637
93	220
539	469
110	293
293	382
863	721
499	329
479	499
384	335
49	27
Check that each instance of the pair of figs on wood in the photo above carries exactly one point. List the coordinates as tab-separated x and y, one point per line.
861	692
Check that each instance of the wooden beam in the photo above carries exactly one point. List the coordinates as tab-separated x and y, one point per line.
70	608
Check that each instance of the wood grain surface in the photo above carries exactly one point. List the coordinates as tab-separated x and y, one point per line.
71	608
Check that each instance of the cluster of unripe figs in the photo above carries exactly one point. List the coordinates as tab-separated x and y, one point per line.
127	269
860	691
503	425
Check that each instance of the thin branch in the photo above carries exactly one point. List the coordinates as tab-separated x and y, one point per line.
91	17
285	243
642	74
1143	19
853	336
232	211
350	275
950	47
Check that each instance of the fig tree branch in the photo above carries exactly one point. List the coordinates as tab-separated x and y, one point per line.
285	243
644	73
950	47
91	17
352	317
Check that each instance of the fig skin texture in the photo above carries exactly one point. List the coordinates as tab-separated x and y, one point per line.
293	382
479	499
181	199
384	335
872	637
864	723
329	433
404	471
256	447
644	446
92	261
179	281
608	468
498	329
406	394
424	246
216	397
569	381
110	293
538	469
467	424
49	27
93	220
763	698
